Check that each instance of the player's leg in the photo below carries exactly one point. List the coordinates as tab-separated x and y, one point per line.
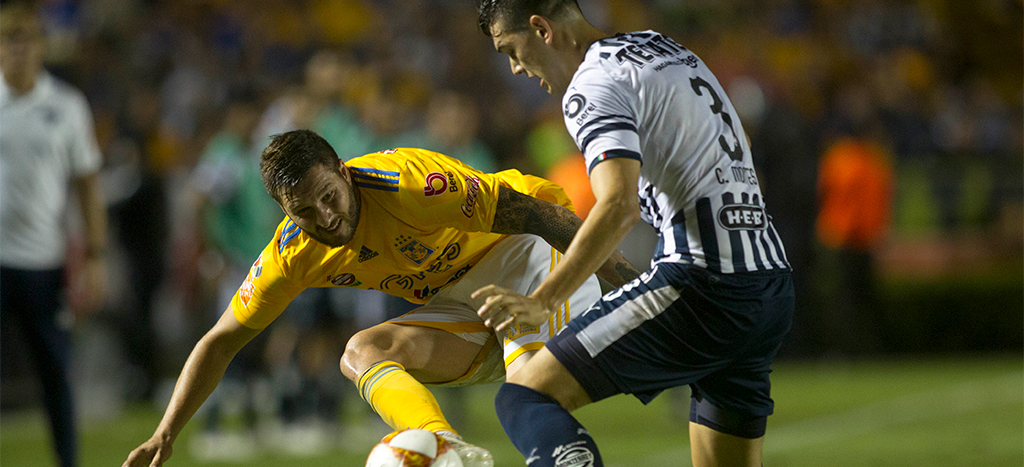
712	448
34	296
729	408
390	363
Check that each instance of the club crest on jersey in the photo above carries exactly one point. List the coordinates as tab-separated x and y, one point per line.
412	249
519	330
742	217
366	254
472	190
345	280
437	184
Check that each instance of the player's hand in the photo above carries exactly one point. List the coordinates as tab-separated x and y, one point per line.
503	308
152	453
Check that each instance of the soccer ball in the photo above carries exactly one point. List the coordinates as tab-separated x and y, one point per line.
413	448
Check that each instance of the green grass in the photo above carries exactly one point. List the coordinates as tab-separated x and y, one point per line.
907	412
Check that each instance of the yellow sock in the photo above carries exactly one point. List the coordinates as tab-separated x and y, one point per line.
399	399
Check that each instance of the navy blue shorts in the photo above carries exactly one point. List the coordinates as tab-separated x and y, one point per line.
680	324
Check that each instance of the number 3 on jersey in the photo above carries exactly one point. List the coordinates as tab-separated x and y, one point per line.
735	153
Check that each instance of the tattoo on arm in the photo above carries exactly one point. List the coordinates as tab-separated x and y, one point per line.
626	271
517	213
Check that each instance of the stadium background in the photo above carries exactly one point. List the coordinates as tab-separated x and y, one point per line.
907	345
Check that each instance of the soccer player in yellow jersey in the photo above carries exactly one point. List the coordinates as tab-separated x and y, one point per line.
411	223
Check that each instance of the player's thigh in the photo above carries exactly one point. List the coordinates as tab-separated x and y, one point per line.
711	448
429	354
543	373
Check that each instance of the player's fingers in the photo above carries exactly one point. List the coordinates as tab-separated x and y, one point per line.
499	307
135	458
160	457
488	290
506	323
491	304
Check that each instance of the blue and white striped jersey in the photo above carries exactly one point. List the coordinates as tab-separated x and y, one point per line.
643	96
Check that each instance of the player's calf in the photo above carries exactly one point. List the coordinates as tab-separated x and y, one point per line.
542	430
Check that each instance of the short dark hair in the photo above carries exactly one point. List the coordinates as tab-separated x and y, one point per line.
516	13
290	155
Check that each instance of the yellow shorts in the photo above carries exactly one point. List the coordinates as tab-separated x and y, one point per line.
520	263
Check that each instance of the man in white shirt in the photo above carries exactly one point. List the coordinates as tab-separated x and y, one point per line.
47	143
654	125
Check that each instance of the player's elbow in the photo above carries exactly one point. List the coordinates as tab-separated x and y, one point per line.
623	209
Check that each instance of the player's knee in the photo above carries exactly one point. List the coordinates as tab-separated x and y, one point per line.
367	347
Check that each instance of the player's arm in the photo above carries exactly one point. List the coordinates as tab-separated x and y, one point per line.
202	372
517	213
614	183
94	217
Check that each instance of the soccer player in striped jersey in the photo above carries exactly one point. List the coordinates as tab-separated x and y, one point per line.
411	223
653	124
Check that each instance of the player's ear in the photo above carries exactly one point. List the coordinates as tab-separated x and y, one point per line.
345	172
541	26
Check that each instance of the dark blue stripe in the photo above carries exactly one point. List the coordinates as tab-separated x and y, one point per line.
769	264
375	178
377	187
708	239
735	240
600	119
605	129
375	171
679	232
778	244
614	154
280	248
753	236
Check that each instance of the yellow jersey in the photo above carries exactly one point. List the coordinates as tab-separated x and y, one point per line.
425	219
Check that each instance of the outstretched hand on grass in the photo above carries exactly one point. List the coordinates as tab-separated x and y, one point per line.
504	308
152	453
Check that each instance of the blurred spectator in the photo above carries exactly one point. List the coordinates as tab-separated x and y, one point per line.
237	218
47	143
319	106
452	122
855	186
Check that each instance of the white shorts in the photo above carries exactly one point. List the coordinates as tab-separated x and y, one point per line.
520	263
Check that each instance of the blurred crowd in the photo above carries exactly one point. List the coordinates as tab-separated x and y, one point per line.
871	121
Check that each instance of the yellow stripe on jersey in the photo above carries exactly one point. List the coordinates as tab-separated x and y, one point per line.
532	346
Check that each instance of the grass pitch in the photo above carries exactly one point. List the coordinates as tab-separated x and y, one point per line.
965	411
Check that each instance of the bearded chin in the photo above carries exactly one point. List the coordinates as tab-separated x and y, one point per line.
338	241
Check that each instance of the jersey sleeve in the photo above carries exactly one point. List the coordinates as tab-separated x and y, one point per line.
268	289
85	153
600	114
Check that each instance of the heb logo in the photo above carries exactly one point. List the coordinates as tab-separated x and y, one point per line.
437	184
472	189
742	217
345	280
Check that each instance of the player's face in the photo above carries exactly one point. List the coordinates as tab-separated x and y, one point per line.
528	53
324	204
22	47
